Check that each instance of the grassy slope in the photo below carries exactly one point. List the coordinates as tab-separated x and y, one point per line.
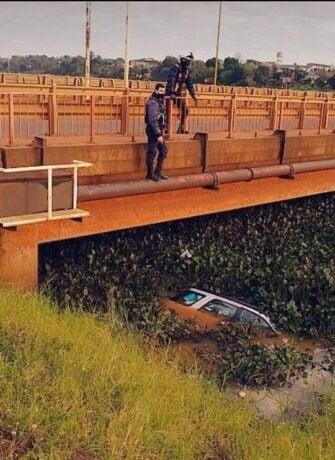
74	383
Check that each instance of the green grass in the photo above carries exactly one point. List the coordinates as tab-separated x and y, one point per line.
74	383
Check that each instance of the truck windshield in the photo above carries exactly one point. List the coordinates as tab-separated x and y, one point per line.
187	298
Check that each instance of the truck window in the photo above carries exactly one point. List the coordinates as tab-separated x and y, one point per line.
251	318
187	298
218	308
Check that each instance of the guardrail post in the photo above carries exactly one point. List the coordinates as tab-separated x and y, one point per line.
281	111
169	118
11	120
92	119
302	115
232	115
325	115
125	112
53	112
274	114
322	109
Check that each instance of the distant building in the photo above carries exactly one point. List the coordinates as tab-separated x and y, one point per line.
145	63
312	68
283	66
254	62
118	63
292	66
279	58
268	64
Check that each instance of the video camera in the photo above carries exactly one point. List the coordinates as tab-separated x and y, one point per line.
185	61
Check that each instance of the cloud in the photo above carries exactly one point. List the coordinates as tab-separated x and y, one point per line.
301	30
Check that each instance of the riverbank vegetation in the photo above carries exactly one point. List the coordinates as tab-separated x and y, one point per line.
74	386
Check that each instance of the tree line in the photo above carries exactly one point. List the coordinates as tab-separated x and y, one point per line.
231	71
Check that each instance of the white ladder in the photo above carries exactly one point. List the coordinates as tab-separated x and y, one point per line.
73	213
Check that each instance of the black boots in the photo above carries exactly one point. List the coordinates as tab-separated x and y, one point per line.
151	176
158	171
150	172
158	174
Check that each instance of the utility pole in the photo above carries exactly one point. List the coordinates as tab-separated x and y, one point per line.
126	50
217	46
88	39
8	63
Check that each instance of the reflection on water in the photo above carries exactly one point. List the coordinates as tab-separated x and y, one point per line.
302	396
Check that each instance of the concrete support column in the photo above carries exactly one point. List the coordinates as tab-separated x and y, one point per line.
18	259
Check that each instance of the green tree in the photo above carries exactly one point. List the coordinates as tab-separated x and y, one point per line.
320	83
239	75
230	63
161	72
331	81
199	71
262	75
211	63
300	74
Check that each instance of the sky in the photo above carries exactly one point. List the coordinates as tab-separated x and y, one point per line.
302	31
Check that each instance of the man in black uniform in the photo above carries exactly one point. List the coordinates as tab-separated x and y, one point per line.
155	119
179	79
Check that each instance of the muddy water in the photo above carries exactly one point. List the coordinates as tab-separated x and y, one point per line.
302	396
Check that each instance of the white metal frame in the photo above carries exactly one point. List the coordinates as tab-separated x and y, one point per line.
75	165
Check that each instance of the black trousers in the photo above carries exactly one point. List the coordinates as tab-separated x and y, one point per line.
155	147
183	109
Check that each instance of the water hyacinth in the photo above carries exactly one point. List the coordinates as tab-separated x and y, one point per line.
243	359
279	257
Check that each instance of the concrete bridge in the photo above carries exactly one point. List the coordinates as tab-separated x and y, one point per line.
244	148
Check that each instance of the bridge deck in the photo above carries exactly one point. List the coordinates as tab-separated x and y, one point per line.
19	249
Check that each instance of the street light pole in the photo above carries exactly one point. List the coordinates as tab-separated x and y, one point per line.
126	50
217	46
88	39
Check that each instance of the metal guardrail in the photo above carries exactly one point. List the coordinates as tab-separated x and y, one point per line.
45	80
50	215
107	112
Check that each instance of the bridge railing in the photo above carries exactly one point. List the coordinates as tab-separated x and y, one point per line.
104	112
15	80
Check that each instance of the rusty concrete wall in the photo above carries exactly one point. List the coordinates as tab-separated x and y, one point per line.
126	161
16	157
309	148
238	153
